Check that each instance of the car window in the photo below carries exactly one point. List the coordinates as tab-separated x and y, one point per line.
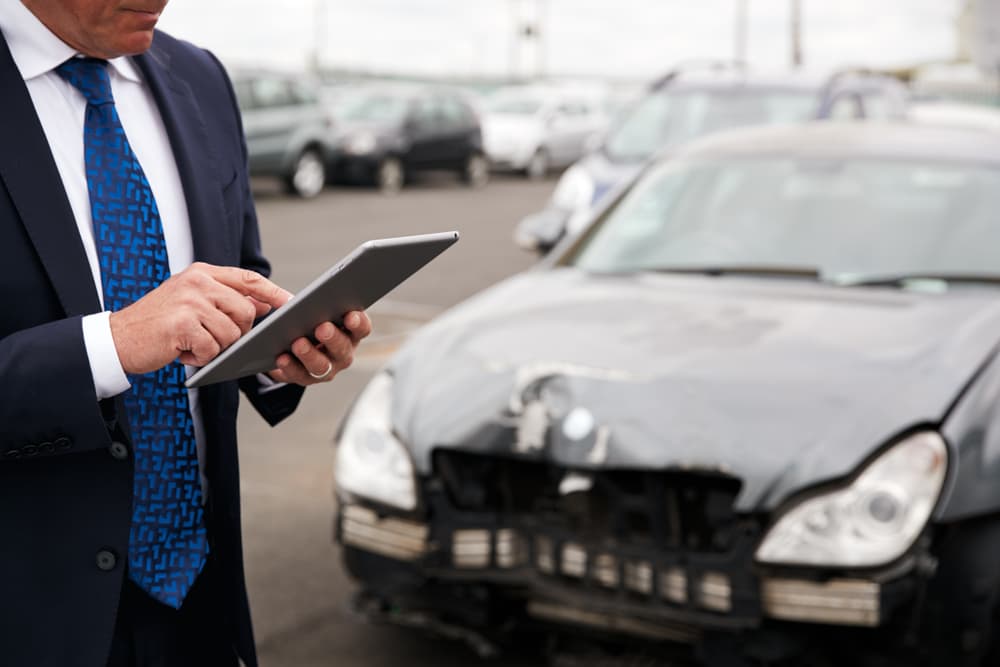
427	112
877	105
454	112
516	106
375	108
244	94
271	92
571	109
847	107
667	118
302	93
842	216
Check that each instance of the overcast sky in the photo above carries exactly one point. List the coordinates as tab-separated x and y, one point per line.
619	38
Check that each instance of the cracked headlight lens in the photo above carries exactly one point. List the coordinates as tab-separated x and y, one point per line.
872	521
371	462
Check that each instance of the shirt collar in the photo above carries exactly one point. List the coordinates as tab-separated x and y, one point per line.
36	49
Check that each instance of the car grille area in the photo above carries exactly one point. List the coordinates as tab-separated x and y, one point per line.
677	511
662	543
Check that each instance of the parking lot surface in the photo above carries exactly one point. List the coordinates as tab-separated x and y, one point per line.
299	593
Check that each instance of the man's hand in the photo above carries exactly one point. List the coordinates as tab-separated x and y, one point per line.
310	364
192	316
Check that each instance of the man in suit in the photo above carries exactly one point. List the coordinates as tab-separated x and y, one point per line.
129	248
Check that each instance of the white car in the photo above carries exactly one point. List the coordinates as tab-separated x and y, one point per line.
533	130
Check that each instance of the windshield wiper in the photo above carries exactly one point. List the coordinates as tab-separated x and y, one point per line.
740	270
904	279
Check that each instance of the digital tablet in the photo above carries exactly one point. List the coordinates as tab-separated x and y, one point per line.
356	282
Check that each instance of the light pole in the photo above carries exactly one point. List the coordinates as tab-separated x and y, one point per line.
319	34
795	20
740	33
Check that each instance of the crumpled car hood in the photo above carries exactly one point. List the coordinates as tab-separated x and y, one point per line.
780	383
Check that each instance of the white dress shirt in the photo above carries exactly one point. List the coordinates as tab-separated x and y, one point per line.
61	109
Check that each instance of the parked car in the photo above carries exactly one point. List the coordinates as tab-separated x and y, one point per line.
691	102
953	114
288	129
386	134
533	129
751	410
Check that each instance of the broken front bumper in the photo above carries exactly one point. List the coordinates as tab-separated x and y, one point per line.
620	589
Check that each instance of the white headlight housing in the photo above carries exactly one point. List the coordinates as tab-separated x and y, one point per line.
361	143
575	190
871	522
371	462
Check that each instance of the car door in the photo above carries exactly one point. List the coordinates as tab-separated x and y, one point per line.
568	126
423	128
460	132
270	122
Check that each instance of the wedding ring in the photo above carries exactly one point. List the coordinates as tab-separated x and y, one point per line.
329	369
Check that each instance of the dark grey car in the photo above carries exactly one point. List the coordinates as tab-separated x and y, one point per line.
748	415
288	129
387	134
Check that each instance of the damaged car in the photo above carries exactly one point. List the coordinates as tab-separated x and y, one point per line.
749	415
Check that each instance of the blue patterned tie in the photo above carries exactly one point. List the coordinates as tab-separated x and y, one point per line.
167	541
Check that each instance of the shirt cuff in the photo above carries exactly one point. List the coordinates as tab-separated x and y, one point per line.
267	384
105	367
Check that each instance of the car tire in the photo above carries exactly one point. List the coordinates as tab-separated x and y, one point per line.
390	176
538	166
308	174
476	171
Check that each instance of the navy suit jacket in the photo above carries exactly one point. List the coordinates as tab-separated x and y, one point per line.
64	497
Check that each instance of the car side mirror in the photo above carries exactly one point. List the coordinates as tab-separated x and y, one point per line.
539	232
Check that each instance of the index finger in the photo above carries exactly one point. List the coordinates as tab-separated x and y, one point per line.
250	283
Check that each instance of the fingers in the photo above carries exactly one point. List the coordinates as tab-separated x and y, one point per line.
359	324
248	283
309	363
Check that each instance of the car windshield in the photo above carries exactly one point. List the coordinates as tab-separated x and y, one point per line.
842	219
515	106
374	108
670	117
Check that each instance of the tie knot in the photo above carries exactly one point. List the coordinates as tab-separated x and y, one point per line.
90	77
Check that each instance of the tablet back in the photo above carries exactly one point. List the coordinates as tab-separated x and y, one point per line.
356	282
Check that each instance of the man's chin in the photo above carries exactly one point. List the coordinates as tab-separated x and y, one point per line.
135	43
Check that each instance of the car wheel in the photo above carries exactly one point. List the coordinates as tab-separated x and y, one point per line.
389	176
308	175
538	165
477	170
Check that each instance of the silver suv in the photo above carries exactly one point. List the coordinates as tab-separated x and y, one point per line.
288	130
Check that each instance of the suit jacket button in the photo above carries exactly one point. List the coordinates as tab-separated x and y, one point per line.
106	560
118	450
62	442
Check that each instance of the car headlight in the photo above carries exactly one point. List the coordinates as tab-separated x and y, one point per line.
870	522
575	190
371	462
361	143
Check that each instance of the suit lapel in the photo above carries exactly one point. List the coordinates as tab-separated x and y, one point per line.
30	175
196	163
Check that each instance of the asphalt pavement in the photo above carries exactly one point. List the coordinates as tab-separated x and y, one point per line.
299	593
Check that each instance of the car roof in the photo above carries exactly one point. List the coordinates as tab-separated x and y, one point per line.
869	139
737	81
710	75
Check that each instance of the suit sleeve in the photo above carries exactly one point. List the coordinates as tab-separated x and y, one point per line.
48	405
276	404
